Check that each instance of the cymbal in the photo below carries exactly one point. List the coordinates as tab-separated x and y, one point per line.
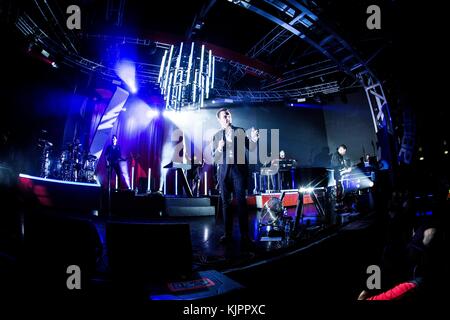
45	143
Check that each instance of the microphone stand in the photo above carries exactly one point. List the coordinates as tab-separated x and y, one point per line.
109	189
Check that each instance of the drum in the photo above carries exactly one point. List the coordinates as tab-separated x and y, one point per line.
64	166
64	157
88	171
46	165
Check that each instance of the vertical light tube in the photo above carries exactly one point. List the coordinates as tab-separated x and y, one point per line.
117	181
200	76
166	78
201	91
179	95
213	71
182	88
208	75
169	91
205	181
188	76
149	178
194	87
161	68
132	178
177	66
176	182
164	181
201	59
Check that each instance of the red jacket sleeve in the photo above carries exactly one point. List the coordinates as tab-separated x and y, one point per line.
396	292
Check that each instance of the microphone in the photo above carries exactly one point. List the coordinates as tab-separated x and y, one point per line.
224	146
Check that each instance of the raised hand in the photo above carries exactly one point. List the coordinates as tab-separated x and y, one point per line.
254	134
221	145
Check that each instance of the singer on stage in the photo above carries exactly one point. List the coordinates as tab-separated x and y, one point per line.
231	148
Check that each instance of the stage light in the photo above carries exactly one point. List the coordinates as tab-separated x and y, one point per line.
152	113
181	120
301	100
133	89
205	234
306	189
371	184
45	53
54	65
126	70
446	152
421	158
185	78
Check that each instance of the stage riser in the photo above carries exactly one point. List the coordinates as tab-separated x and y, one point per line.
60	195
190	211
187	202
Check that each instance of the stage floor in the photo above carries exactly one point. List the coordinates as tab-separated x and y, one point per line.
209	253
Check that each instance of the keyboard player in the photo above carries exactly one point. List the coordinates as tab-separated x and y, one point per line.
285	168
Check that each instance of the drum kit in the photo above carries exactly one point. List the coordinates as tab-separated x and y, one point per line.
69	165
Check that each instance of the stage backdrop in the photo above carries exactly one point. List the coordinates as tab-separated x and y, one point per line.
309	132
349	121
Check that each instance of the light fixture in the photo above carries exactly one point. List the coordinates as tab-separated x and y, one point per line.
126	70
306	189
186	76
45	53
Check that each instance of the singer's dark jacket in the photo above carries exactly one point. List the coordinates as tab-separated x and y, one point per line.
221	159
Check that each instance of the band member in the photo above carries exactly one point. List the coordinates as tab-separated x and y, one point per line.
113	158
340	167
284	168
194	176
77	158
230	151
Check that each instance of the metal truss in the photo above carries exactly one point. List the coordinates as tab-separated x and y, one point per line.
276	95
198	22
237	66
301	22
322	38
62	35
270	42
298	75
377	102
278	35
114	11
240	69
148	73
128	40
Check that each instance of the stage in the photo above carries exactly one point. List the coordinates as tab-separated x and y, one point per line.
148	241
